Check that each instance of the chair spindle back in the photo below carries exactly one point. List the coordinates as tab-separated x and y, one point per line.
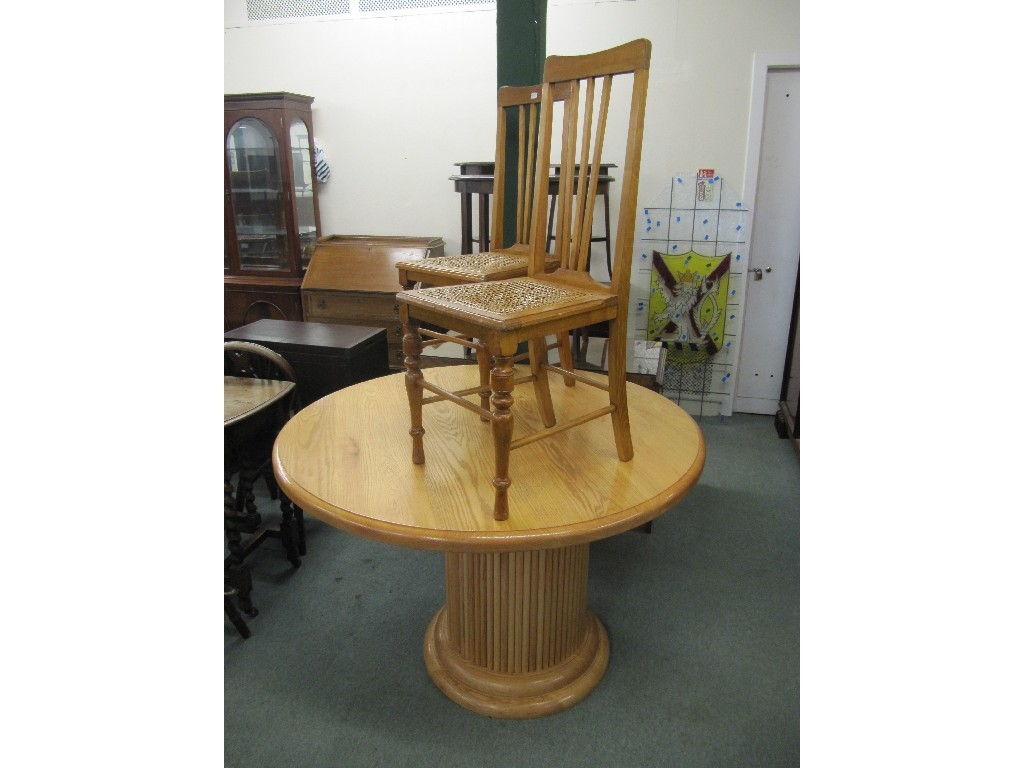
518	111
587	81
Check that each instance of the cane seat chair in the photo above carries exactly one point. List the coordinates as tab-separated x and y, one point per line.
517	123
502	314
519	115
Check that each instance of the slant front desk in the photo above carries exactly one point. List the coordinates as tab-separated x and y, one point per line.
352	280
515	638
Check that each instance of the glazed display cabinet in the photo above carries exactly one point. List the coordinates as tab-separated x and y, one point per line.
271	210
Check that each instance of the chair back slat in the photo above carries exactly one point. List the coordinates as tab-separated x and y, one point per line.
563	215
579	182
529	116
522	170
589	176
518	111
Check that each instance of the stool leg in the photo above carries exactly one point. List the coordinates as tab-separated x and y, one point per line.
485	225
467	223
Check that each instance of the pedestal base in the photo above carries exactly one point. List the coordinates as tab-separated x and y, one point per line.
515	638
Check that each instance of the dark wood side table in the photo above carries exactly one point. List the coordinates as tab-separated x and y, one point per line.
326	356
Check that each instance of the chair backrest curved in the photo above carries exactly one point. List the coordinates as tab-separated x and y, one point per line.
250	360
584	120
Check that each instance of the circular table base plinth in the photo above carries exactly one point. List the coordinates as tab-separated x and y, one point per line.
517	695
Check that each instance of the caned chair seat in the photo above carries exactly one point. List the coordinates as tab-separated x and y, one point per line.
465	268
498	315
501	304
518	119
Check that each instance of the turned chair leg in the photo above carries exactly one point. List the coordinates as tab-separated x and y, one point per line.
412	346
503	381
245	498
300	528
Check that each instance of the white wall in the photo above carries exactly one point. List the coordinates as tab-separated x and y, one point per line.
400	99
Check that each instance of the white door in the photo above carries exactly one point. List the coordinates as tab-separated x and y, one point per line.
774	249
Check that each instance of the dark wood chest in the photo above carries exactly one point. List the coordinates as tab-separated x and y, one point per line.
326	357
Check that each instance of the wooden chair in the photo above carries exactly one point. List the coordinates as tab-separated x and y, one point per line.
518	118
518	112
246	358
504	313
247	450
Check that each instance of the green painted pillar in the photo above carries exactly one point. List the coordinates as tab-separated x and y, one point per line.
522	41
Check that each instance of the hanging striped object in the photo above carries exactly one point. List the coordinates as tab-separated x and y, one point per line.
323	170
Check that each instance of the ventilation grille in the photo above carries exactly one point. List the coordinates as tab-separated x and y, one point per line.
377	6
259	10
285	9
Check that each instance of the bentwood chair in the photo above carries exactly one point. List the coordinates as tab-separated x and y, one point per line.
504	313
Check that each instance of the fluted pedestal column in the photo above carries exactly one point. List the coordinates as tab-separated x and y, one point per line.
515	638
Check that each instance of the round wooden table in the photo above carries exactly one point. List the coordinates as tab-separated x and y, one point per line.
515	638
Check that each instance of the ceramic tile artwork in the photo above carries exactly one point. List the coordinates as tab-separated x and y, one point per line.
696	215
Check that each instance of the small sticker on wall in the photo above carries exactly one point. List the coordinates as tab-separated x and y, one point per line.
705	178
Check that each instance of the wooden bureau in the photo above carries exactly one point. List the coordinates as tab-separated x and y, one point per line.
352	280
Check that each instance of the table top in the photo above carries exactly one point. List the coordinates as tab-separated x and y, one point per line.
245	396
295	334
347	460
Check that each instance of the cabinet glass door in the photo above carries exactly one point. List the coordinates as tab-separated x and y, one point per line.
302	173
257	196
